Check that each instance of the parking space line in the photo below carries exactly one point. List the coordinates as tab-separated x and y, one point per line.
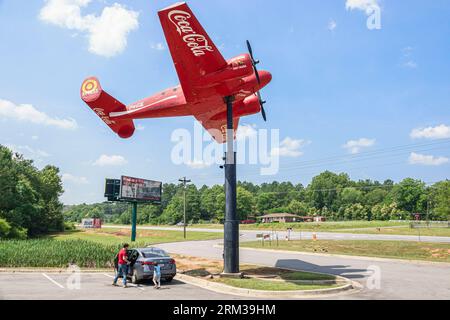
56	283
131	285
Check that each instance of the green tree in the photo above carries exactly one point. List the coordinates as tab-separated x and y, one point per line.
440	195
410	195
245	203
325	188
299	208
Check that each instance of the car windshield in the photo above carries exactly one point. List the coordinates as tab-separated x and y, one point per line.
154	253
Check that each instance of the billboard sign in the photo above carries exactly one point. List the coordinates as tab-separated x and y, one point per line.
112	189
142	190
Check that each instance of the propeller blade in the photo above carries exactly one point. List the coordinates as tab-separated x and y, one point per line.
257	75
254	62
263	112
262	103
249	46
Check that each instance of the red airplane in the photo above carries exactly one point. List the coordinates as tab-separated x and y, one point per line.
205	77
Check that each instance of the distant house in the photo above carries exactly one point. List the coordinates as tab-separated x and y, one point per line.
281	218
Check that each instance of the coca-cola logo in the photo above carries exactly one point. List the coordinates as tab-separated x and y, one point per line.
197	43
101	113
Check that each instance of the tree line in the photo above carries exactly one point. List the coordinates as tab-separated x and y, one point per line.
30	205
29	198
334	196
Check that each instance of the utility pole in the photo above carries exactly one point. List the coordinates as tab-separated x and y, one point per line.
185	182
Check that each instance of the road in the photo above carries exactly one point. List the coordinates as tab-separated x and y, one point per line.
248	235
94	286
380	278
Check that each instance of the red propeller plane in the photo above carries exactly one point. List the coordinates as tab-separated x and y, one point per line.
205	77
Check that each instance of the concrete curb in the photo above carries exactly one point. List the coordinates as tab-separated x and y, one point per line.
51	270
301	294
423	262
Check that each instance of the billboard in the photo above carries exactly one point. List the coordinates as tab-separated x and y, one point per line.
136	189
112	189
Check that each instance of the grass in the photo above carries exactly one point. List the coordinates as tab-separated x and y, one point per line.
410	250
260	284
261	278
119	236
436	232
85	248
48	253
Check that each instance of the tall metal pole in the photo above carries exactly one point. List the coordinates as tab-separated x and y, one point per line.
185	182
231	232
133	222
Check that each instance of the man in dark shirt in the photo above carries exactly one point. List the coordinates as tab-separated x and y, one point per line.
122	266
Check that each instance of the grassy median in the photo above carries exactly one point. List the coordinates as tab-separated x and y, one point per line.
256	277
410	250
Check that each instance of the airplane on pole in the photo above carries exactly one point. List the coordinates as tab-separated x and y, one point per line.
217	92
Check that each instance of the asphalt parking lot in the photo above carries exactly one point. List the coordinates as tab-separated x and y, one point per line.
94	286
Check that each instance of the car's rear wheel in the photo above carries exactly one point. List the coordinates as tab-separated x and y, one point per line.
169	279
134	277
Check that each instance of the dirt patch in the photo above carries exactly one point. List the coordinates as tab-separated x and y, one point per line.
211	268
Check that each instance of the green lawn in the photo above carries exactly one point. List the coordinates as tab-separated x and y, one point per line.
437	232
149	237
384	249
259	284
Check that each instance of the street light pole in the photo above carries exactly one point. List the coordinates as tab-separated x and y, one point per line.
185	182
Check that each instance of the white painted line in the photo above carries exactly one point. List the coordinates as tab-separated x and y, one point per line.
59	285
131	285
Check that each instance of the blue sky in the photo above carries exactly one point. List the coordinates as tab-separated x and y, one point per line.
336	83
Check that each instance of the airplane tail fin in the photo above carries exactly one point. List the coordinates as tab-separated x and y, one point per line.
103	104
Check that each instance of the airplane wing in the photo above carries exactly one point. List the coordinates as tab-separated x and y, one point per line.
217	128
193	52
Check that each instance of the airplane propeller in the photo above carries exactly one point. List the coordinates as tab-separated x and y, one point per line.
262	103
258	94
254	61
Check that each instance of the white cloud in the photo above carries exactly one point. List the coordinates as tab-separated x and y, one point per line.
107	33
197	165
355	146
416	158
363	5
438	132
246	131
69	178
110	161
332	25
410	64
289	148
157	46
29	152
407	58
27	113
34	137
140	127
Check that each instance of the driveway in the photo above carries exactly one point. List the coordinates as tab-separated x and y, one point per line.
379	278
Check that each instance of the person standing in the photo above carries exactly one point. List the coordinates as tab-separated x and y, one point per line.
157	276
123	263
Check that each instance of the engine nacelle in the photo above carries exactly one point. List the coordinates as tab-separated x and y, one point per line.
238	67
246	107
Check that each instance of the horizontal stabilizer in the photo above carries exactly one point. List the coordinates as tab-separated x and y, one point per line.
103	104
